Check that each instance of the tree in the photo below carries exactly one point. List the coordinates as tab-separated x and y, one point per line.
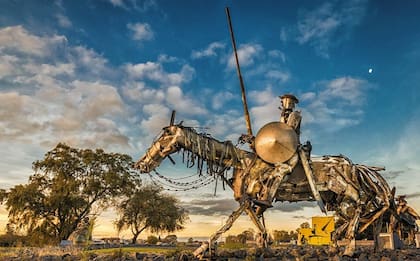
148	208
68	185
293	235
170	239
249	234
152	240
305	225
281	236
231	239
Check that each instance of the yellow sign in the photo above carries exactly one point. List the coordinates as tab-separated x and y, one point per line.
319	234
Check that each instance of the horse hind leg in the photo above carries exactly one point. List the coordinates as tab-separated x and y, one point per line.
350	248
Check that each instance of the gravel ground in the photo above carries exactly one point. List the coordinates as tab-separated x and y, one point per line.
298	253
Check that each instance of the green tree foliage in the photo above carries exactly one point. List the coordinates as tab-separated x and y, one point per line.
231	239
170	239
152	240
148	208
249	234
68	185
282	236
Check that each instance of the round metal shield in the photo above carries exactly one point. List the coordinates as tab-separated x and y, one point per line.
276	142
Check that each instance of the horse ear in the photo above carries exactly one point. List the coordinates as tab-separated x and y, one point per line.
171	123
393	192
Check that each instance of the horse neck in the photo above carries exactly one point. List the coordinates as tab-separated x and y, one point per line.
206	148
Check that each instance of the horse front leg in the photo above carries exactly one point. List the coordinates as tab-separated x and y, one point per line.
200	252
260	225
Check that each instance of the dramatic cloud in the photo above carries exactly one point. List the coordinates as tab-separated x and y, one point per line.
51	93
413	195
209	51
215	207
401	159
141	31
293	207
328	24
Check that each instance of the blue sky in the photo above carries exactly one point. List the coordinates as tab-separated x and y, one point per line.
108	73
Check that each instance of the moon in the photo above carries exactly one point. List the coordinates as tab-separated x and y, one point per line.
370	70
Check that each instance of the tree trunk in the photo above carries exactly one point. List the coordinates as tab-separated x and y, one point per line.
136	233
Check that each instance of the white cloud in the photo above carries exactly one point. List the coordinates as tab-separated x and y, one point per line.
220	98
76	115
156	116
18	39
141	31
155	72
63	21
179	102
50	69
164	58
277	54
140	6
284	35
211	50
55	93
346	88
227	126
401	157
266	109
89	60
278	75
119	3
329	23
247	53
337	104
7	65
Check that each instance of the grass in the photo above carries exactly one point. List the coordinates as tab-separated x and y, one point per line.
233	246
25	252
132	250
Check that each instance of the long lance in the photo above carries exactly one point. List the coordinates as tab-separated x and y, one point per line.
238	70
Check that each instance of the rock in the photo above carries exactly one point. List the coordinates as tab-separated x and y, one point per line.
159	258
140	256
385	258
363	257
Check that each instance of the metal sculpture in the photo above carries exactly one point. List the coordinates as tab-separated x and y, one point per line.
357	193
405	222
278	167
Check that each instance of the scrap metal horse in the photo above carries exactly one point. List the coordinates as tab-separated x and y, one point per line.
357	193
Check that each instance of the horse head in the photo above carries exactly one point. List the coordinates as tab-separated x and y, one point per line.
162	147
